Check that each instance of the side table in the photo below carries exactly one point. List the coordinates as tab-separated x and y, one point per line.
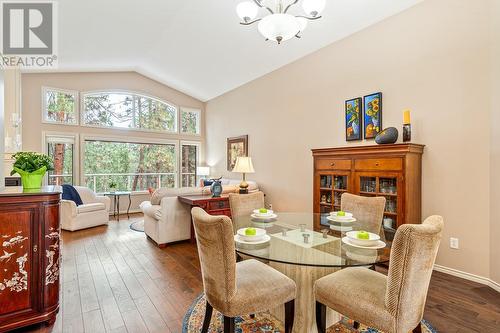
116	202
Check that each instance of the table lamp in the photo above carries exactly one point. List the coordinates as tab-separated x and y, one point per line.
243	165
203	172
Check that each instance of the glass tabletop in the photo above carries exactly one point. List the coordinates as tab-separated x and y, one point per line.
292	240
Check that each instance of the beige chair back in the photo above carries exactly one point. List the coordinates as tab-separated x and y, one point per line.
244	204
215	239
369	211
413	253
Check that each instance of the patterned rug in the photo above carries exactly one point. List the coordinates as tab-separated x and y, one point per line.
138	226
263	322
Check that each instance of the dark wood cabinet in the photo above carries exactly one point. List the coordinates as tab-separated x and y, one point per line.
392	171
29	257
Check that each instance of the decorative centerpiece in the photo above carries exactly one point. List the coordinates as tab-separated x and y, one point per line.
216	188
387	136
31	167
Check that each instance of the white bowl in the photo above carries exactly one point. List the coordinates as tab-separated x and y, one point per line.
348	216
372	241
260	233
258	213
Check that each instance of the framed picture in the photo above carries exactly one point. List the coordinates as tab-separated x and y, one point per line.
236	147
353	119
372	115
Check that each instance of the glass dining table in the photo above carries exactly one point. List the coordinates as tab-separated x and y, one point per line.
293	247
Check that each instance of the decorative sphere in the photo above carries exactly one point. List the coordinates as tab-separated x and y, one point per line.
387	136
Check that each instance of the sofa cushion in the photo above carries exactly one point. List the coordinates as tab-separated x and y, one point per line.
173	192
91	207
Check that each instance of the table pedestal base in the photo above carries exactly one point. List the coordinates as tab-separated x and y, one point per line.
305	313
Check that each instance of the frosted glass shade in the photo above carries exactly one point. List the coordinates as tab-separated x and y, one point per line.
302	23
243	165
279	27
203	171
247	11
313	7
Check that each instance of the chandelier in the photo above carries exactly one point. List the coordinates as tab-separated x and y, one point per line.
279	25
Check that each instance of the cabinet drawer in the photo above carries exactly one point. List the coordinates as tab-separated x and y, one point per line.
217	205
379	164
333	164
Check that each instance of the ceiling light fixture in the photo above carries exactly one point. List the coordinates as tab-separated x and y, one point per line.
278	25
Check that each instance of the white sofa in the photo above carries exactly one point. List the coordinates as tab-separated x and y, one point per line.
168	220
93	212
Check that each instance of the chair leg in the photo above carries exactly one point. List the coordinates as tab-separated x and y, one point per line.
417	329
208	317
228	324
289	315
320	317
356	324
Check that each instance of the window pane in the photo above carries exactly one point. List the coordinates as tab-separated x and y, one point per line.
190	121
124	110
62	154
188	165
130	166
60	107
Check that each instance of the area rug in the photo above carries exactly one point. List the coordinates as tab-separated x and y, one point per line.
138	226
263	322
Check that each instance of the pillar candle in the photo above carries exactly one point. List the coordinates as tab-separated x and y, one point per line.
406	116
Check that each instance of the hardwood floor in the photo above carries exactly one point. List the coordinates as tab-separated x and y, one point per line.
114	280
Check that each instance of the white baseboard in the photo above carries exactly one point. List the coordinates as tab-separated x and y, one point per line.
468	276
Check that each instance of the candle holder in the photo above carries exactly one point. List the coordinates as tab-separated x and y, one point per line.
406	132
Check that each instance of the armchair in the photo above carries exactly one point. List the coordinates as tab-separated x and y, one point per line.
93	212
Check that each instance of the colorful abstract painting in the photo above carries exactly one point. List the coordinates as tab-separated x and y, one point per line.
372	115
353	120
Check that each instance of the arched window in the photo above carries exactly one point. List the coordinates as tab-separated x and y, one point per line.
128	110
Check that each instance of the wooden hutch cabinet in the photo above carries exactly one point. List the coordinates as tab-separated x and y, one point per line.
393	171
29	257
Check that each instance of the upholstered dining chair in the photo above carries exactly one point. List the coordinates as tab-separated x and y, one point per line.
369	211
393	304
236	289
244	204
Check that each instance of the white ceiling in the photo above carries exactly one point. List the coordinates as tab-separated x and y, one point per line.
196	46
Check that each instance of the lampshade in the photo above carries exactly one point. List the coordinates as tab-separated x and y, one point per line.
313	7
244	165
247	10
279	27
203	171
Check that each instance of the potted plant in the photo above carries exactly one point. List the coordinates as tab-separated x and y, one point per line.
112	186
31	167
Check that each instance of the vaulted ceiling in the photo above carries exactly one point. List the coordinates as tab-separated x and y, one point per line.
196	46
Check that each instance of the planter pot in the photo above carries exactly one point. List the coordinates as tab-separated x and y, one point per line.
31	180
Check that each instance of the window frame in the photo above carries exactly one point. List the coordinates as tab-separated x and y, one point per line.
115	138
198	156
76	96
199	127
69	136
130	92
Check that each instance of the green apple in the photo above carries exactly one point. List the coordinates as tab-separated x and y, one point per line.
363	235
250	232
340	213
263	211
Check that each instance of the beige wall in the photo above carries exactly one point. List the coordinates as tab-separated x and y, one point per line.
31	85
432	58
495	145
